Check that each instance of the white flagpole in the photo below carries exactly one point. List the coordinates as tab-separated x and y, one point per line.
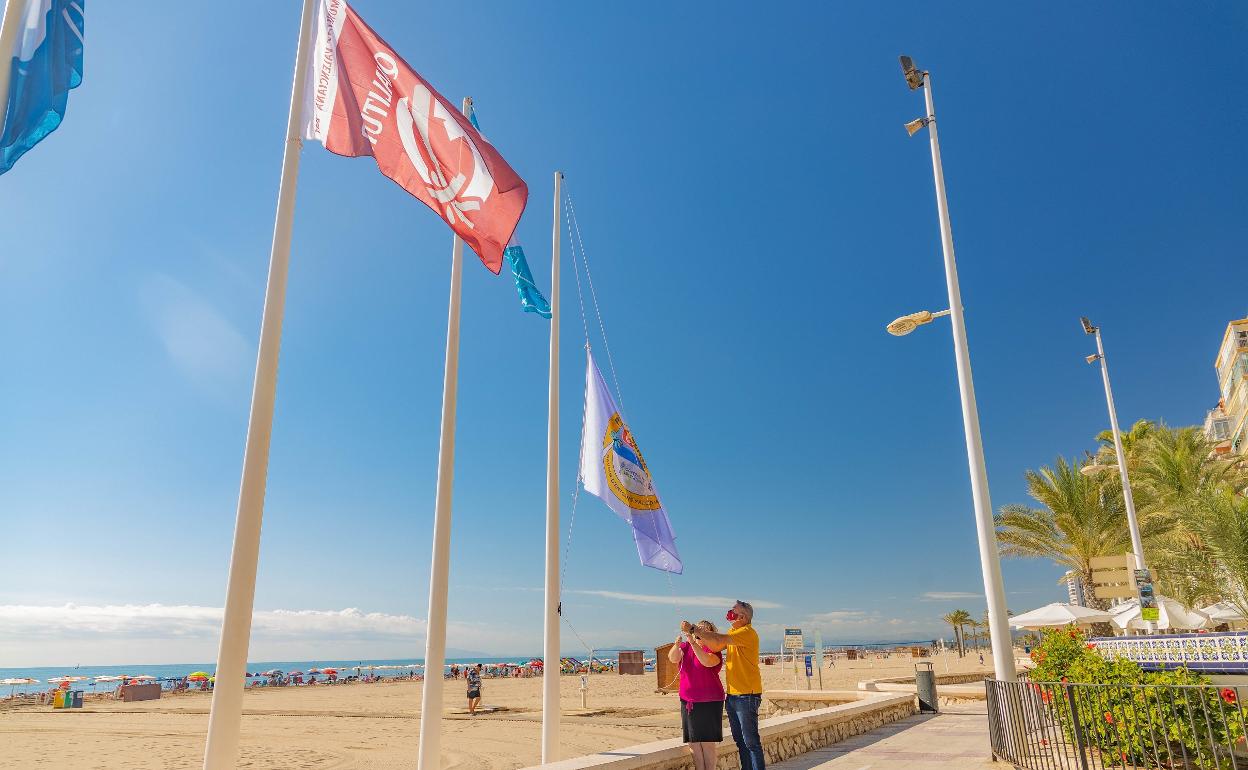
550	645
225	717
14	12
430	747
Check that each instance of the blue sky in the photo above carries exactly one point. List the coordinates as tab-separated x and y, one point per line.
754	214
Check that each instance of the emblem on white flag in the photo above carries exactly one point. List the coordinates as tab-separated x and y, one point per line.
614	470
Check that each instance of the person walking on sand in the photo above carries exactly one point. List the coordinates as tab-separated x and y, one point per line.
744	680
701	696
474	689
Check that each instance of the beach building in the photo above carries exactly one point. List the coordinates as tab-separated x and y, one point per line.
1074	589
1225	423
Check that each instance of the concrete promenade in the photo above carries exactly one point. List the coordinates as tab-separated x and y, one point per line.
955	738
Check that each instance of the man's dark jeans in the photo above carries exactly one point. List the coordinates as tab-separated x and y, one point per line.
743	719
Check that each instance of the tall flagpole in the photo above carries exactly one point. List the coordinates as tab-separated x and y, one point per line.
14	12
550	642
225	717
430	747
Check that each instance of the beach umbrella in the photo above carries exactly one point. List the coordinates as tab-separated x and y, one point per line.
1224	612
110	678
14	682
1172	615
1059	615
197	676
65	679
142	678
294	673
329	671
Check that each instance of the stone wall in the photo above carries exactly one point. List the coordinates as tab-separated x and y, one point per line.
962	678
779	704
783	736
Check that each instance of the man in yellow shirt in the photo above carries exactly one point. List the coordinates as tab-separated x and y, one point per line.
744	680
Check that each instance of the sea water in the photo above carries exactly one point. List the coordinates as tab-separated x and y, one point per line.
179	670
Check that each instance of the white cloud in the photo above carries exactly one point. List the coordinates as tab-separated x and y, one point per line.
850	624
202	343
843	616
940	596
124	633
160	620
713	602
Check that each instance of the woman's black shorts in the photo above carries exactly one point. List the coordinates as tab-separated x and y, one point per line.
474	693
702	722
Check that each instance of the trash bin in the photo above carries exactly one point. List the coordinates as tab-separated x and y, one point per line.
925	685
77	702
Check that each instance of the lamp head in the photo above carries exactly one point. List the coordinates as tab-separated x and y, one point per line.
908	323
1088	328
916	125
914	78
1093	358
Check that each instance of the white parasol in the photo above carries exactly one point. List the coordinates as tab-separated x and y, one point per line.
1059	615
14	682
1173	614
1224	612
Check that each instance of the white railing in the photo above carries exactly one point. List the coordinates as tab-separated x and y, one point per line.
1217	652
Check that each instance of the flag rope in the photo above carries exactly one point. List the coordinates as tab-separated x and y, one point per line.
577	244
589	278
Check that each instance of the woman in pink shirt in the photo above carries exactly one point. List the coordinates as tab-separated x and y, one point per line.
701	696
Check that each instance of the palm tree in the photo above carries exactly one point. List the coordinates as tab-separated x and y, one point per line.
1131	439
1173	468
957	619
979	632
1080	517
1219	517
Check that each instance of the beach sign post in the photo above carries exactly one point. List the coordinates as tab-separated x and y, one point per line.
819	654
794	644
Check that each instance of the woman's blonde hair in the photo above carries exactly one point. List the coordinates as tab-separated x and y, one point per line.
708	625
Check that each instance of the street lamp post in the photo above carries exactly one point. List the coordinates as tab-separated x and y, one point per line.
985	526
1136	544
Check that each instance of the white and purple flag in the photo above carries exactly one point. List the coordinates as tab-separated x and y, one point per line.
613	470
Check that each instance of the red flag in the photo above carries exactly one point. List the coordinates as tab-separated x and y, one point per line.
361	98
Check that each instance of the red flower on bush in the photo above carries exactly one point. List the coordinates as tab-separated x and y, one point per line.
1109	717
1124	756
1228	695
1090	646
1046	696
1065	680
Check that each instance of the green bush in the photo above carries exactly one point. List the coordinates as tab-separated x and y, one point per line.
1135	717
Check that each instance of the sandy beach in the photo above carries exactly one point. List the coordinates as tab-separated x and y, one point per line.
375	726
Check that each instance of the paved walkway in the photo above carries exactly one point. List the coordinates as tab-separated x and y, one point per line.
955	738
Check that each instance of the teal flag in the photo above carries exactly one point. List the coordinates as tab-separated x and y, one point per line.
531	298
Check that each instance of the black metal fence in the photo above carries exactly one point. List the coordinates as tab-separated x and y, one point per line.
1051	725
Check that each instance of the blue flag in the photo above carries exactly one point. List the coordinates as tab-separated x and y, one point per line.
46	65
531	298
